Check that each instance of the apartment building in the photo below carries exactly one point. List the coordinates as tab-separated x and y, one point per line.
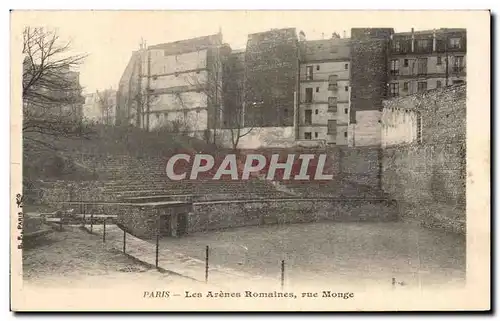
176	83
324	94
423	60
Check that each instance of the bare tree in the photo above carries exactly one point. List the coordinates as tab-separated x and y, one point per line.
52	97
107	104
225	92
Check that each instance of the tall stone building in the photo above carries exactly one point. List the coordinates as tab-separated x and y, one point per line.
271	77
178	83
233	88
429	59
369	78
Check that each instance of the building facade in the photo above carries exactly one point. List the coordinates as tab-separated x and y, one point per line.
369	54
271	78
324	94
424	60
327	91
176	84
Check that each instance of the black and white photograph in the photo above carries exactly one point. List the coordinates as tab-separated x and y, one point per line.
250	160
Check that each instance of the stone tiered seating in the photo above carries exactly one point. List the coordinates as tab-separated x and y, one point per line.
334	188
128	177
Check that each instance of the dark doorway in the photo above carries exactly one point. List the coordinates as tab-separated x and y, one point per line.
182	223
165	225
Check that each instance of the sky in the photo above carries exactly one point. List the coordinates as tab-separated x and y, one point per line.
109	37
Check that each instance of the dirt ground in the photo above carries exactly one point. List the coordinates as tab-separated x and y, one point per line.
76	258
330	252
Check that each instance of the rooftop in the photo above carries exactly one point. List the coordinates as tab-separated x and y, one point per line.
189	45
326	49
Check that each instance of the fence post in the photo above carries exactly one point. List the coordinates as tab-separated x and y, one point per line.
206	264
157	248
104	230
124	240
91	221
282	274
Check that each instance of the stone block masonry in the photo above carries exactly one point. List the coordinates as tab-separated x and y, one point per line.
427	174
230	214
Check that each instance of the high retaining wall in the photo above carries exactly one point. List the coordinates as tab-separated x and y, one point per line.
427	173
428	183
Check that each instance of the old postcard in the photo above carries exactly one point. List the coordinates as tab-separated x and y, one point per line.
250	160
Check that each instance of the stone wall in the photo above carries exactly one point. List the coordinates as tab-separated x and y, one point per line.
258	137
427	176
361	165
428	183
226	214
443	115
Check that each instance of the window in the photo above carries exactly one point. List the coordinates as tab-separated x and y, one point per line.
419	128
332	82
455	43
422	86
405	62
458	64
346	111
332	104
345	134
307	135
346	88
439	62
406	85
308	117
317	67
438	84
458	82
394	67
309	73
332	127
316	135
316	111
396	45
346	66
317	89
309	95
423	45
422	66
394	89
